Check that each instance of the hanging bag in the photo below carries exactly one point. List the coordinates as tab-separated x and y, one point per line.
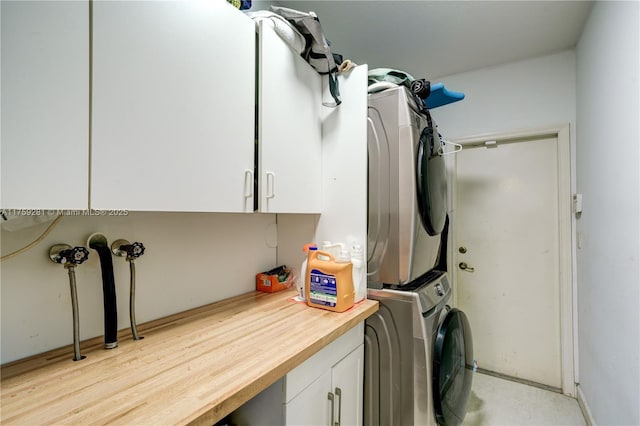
316	52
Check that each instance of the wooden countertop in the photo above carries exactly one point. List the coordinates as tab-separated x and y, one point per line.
194	367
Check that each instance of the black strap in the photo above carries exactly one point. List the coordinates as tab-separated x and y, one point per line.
317	50
333	88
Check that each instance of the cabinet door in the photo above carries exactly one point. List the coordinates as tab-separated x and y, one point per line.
312	406
347	381
289	128
45	104
173	106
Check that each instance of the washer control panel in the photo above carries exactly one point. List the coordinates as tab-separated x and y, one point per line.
432	293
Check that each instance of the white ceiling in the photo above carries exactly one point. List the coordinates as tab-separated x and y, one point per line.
432	39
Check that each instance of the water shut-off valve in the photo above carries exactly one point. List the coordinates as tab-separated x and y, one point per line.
132	251
70	257
67	255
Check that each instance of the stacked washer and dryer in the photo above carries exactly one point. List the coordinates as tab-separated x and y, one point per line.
418	350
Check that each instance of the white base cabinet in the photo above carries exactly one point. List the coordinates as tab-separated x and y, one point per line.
312	407
325	390
347	383
335	398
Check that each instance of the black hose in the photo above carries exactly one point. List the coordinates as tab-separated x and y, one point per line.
99	244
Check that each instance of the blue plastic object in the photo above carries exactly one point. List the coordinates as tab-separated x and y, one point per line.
440	96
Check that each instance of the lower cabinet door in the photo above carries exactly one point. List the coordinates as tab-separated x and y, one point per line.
347	385
335	398
312	406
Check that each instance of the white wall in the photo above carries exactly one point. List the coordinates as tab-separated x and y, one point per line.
191	259
607	174
534	93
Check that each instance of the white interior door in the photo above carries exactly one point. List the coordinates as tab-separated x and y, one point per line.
507	234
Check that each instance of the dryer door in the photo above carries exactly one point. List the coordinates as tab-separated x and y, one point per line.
453	367
431	180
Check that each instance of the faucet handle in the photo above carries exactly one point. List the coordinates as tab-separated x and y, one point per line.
135	250
130	250
77	255
64	253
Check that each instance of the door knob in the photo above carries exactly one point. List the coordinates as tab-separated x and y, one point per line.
465	267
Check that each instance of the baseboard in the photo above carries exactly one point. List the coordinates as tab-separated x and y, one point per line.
584	407
519	380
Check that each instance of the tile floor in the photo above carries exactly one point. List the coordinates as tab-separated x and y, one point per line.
498	402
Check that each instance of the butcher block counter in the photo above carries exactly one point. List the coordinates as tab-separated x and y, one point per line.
194	367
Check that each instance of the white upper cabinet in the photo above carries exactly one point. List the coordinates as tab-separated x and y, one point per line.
289	129
173	106
45	104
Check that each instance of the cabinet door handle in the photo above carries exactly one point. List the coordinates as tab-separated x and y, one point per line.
339	395
330	397
248	183
271	185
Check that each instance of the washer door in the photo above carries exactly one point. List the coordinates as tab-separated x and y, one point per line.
431	180
452	369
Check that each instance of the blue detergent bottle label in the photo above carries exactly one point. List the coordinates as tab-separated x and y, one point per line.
322	288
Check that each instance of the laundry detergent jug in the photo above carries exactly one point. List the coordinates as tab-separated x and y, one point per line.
329	282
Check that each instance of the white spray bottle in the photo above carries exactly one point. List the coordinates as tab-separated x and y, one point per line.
300	281
359	273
